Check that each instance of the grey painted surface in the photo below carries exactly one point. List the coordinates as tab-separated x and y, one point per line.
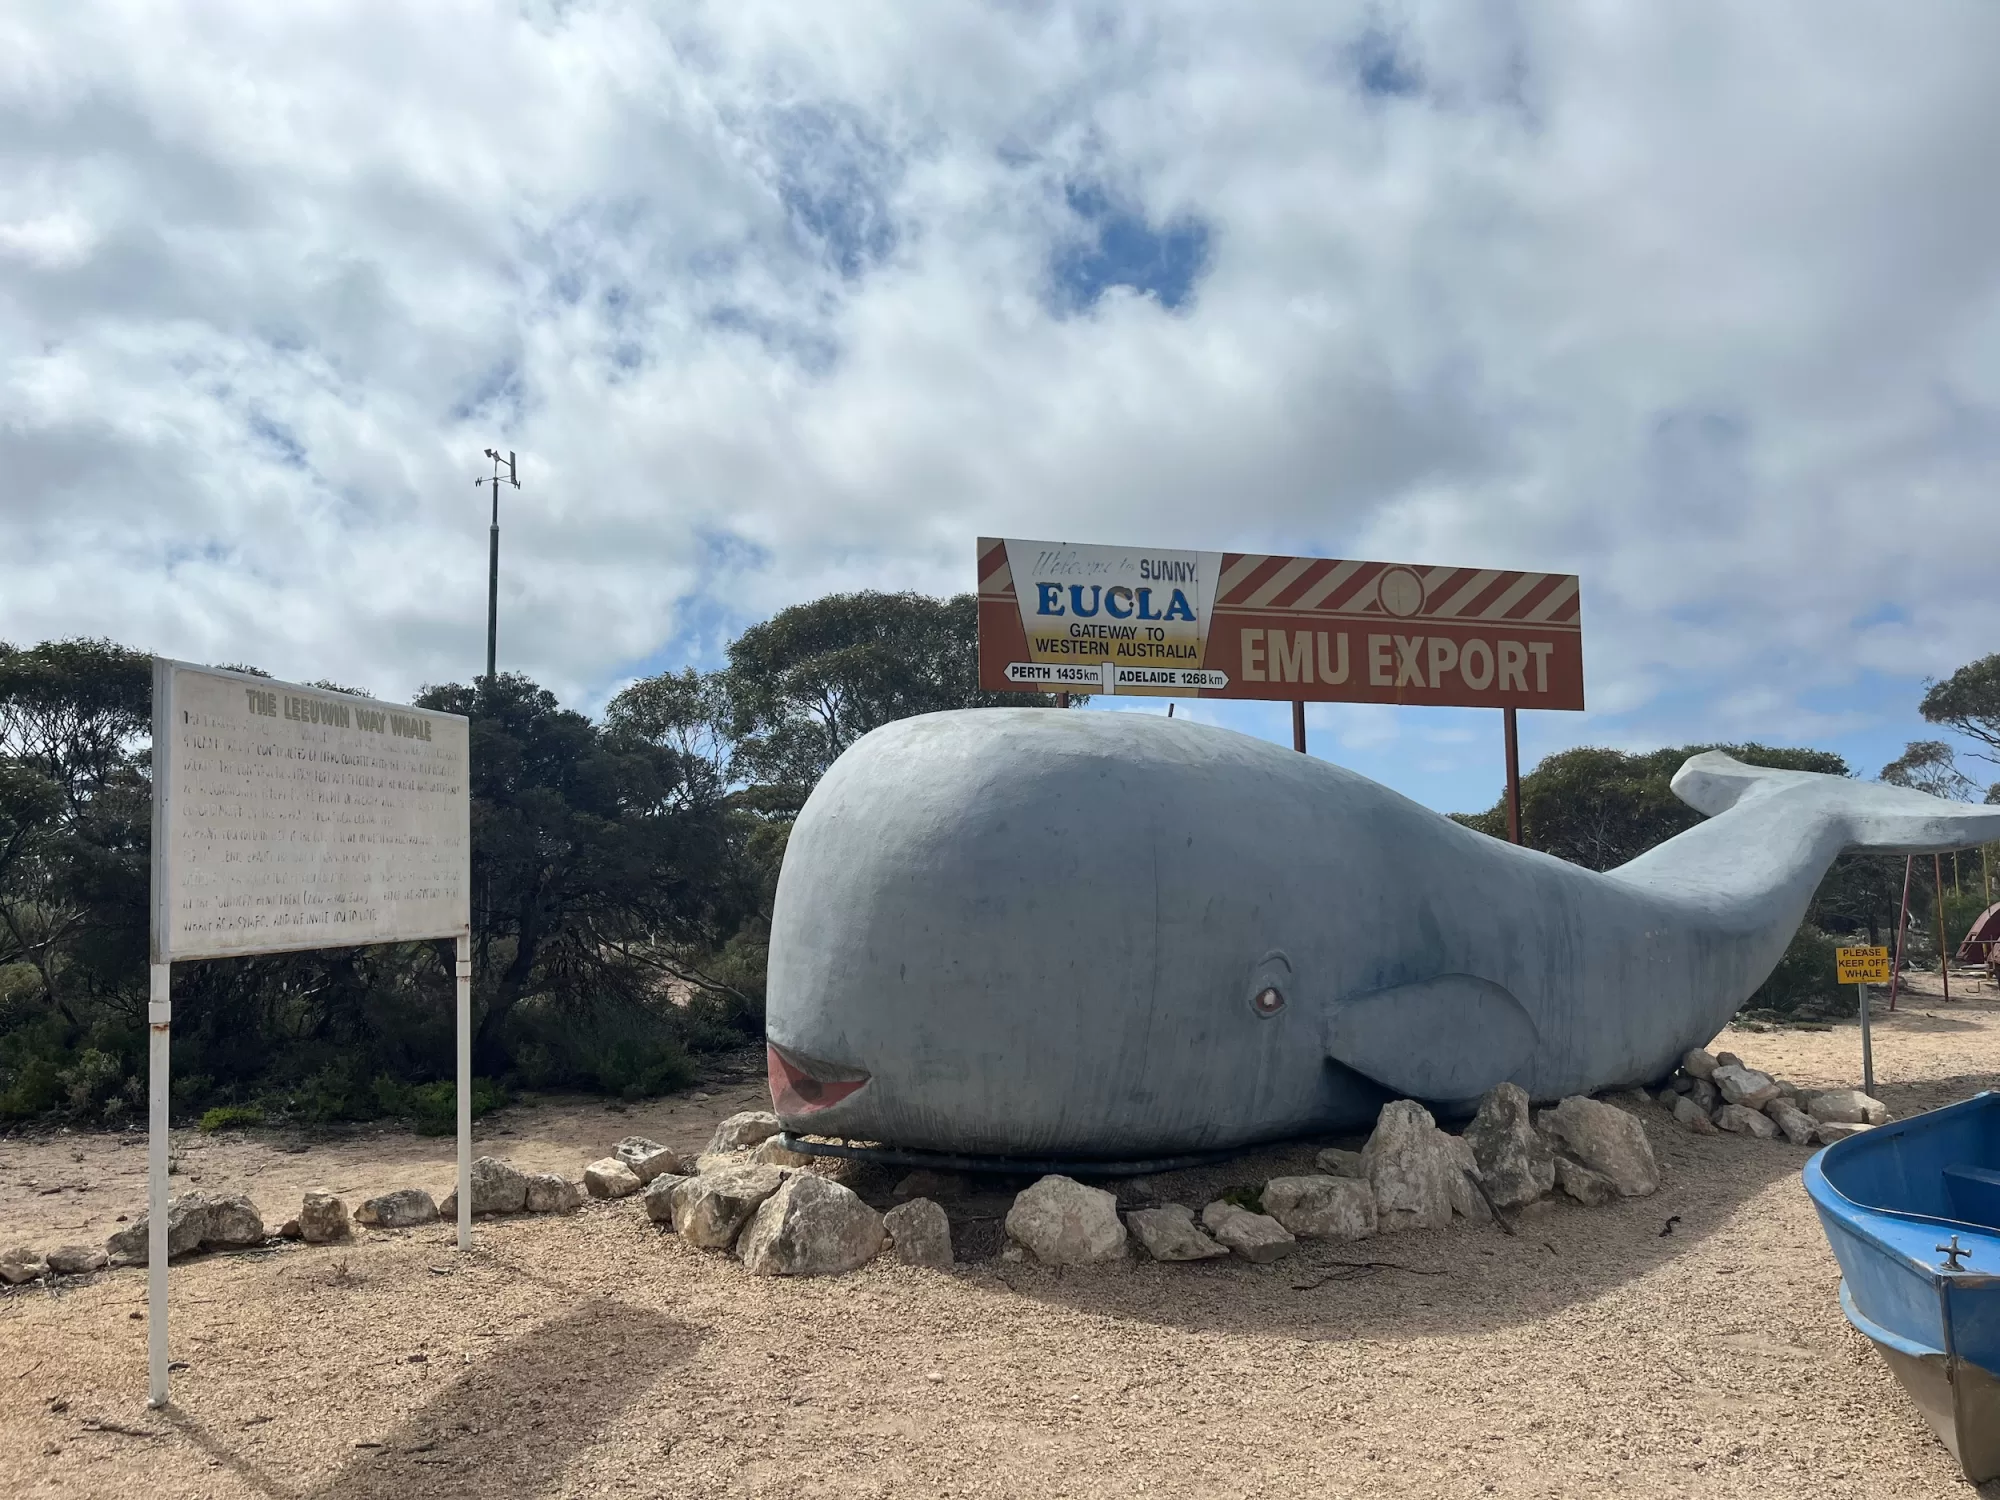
1044	932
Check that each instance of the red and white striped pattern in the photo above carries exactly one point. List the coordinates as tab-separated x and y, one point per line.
1330	586
995	576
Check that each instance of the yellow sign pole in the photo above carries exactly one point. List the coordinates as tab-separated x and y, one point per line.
1861	967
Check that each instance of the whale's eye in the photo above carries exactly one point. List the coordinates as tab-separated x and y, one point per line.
1269	1001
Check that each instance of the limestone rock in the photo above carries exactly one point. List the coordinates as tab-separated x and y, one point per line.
1515	1163
1633	1099
1740	1119
77	1260
720	1161
1321	1208
552	1193
920	1232
1796	1124
403	1209
771	1154
740	1132
1589	1188
658	1200
1728	1060
711	1210
289	1230
21	1264
187	1226
1465	1199
811	1226
323	1218
1706	1094
1839	1130
233	1224
448	1207
1258	1238
1847	1107
647	1159
1692	1116
1680	1083
1608	1141
498	1188
1337	1163
1746	1086
1410	1168
1699	1062
608	1177
1169	1232
924	1183
1065	1223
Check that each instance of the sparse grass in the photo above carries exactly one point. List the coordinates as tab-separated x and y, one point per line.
231	1117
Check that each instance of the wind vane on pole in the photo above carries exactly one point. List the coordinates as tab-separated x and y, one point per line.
493	553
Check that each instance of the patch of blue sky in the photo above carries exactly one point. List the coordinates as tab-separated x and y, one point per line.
810	349
835	180
1114	245
277	441
499	394
1382	68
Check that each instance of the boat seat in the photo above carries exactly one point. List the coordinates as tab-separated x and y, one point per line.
1974	1193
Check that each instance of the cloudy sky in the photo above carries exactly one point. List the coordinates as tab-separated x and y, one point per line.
1700	301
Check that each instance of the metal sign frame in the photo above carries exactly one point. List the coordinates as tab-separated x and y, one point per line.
167	804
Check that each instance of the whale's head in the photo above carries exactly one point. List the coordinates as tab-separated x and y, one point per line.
1023	932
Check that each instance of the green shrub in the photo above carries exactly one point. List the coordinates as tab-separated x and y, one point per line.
432	1108
231	1117
1804	981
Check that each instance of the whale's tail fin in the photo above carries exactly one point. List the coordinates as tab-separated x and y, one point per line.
1883	819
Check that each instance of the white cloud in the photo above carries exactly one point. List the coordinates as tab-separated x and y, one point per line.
1698	301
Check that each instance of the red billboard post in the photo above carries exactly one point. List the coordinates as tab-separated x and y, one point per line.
1062	617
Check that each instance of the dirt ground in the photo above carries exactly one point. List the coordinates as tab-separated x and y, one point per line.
1594	1353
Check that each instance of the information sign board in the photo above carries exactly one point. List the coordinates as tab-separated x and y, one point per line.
290	817
1053	615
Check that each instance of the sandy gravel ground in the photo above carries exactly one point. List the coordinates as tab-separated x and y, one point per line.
1589	1355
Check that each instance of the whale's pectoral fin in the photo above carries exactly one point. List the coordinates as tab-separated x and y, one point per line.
1452	1037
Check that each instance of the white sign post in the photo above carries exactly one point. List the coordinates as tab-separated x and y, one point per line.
288	818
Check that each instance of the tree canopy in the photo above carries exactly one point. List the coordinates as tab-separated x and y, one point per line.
1969	701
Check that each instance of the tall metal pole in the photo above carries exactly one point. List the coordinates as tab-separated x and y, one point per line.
493	556
1513	777
1944	938
1902	922
1299	725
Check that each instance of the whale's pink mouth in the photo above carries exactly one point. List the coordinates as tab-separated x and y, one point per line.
803	1085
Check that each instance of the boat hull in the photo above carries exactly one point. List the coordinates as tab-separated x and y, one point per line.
1957	1399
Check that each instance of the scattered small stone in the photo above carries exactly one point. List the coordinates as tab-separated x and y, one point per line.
1740	1119
21	1264
1322	1208
740	1132
711	1210
291	1230
1839	1130
1257	1238
1592	1189
811	1226
323	1217
403	1209
233	1224
1847	1107
552	1193
1608	1141
1065	1223
1337	1163
920	1232
648	1159
608	1177
1514	1161
1699	1062
77	1260
659	1198
1692	1116
1170	1233
1797	1125
187	1226
1746	1086
497	1187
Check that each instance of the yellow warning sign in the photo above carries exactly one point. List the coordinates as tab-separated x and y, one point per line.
1862	965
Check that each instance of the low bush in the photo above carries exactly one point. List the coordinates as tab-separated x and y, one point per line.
231	1117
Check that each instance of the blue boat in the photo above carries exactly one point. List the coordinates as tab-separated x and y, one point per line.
1912	1210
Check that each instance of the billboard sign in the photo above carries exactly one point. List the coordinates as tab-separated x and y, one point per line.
1061	616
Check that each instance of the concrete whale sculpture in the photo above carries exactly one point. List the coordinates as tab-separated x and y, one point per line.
1025	932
